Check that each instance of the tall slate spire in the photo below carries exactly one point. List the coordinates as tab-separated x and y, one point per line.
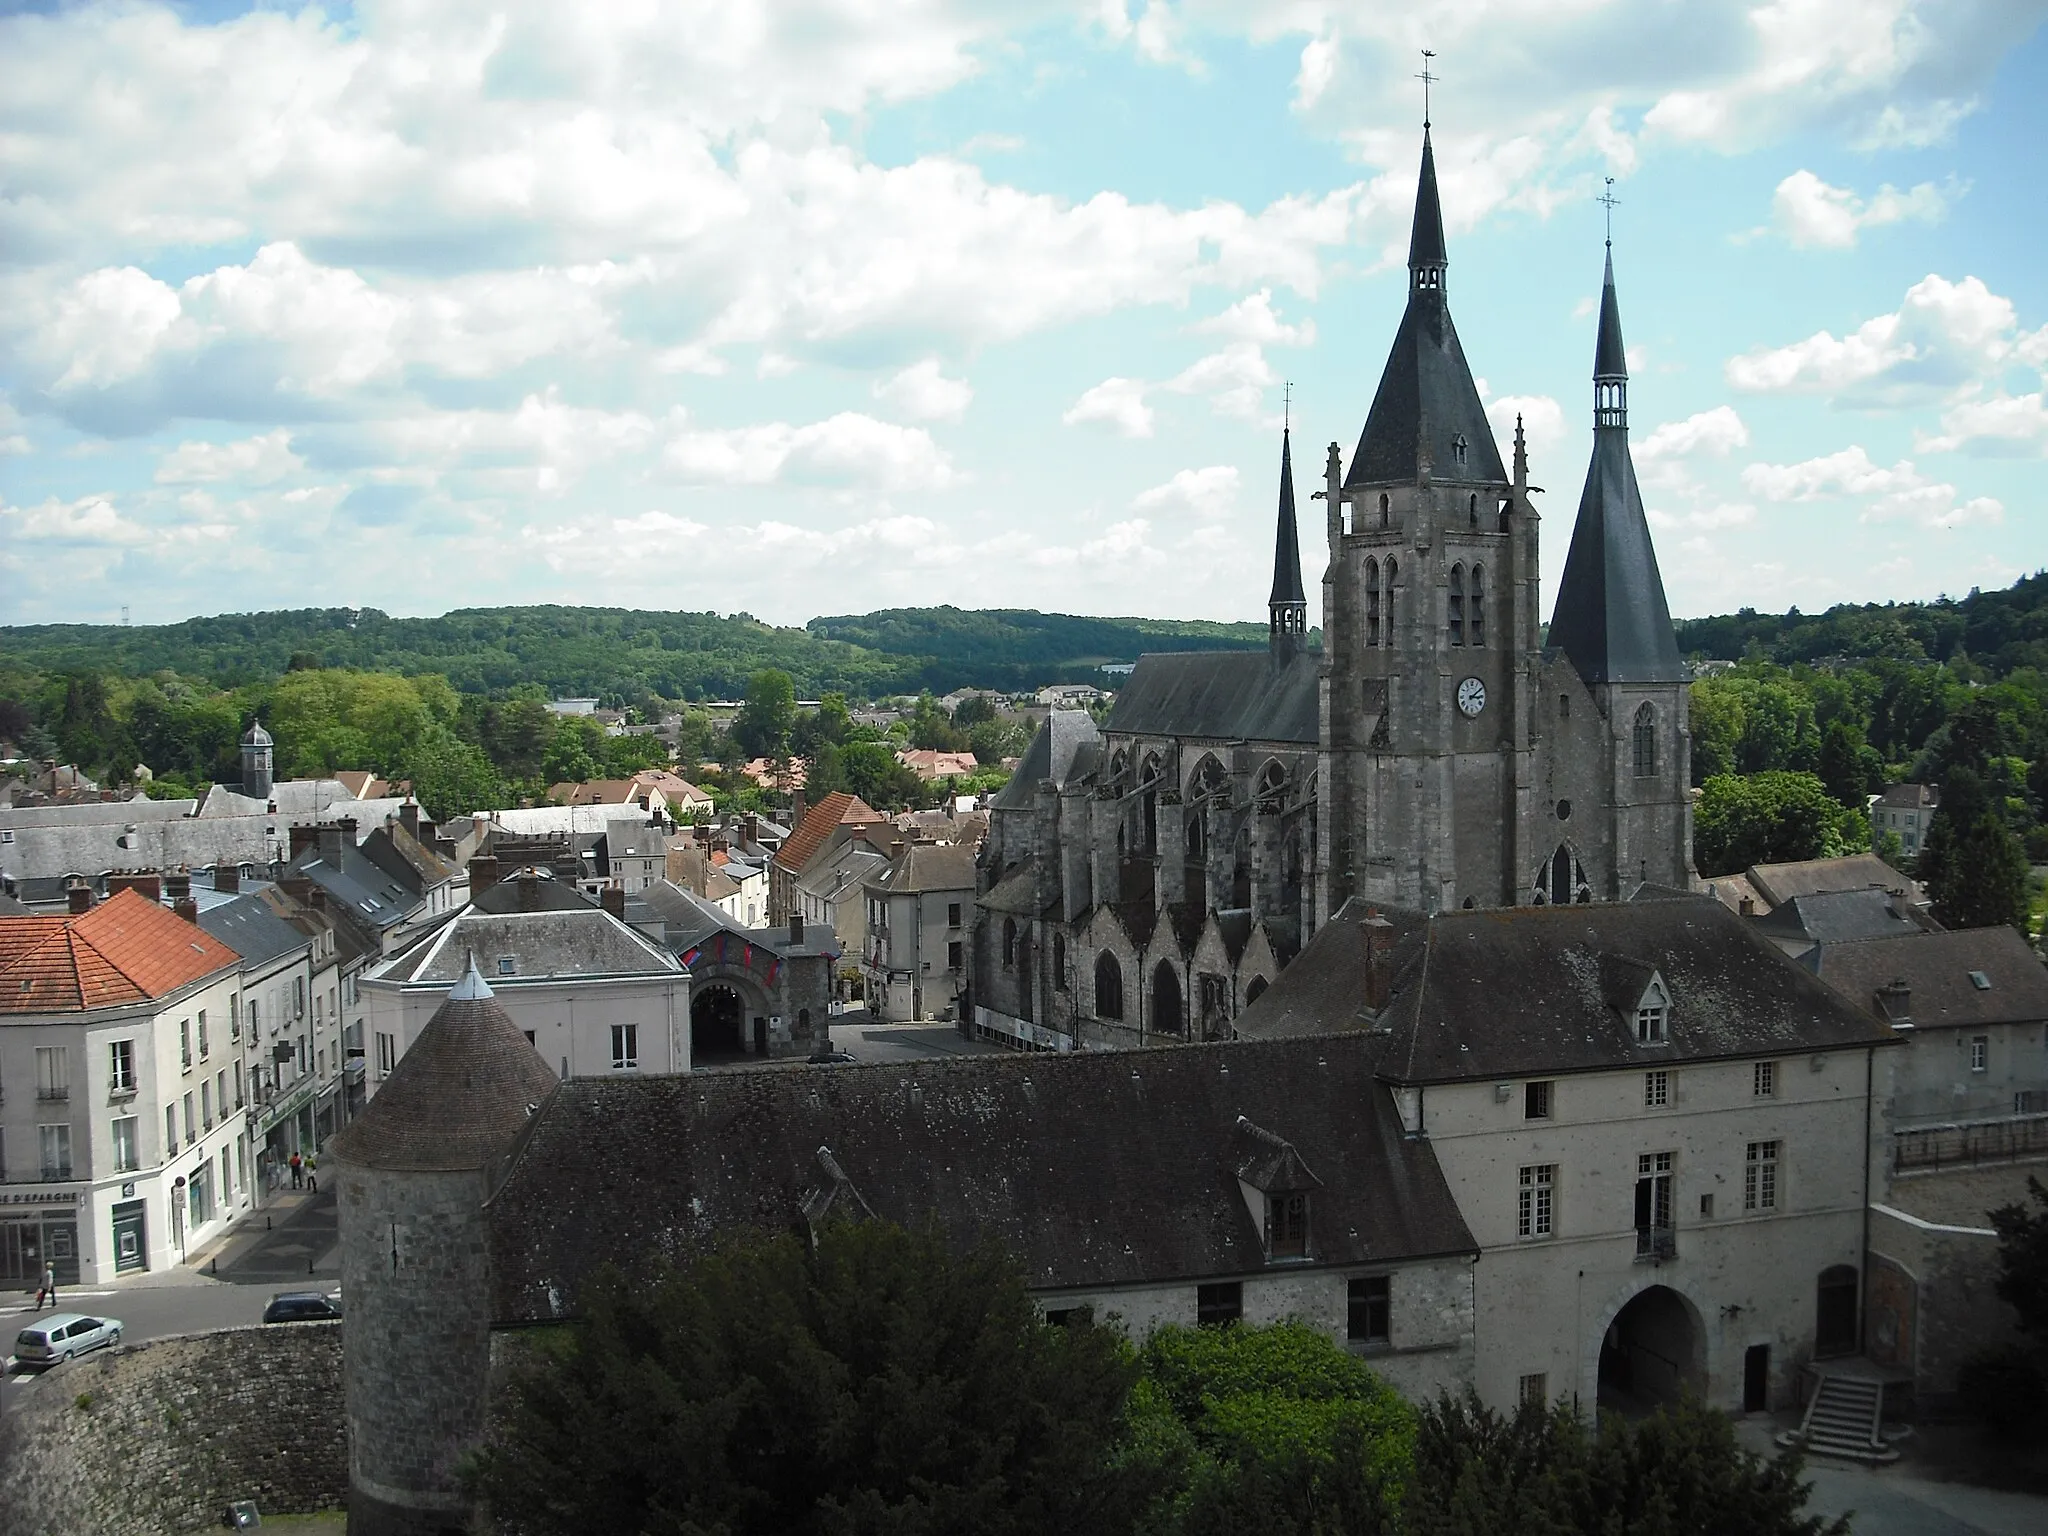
1287	608
1611	619
1426	416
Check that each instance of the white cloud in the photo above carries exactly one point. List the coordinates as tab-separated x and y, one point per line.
1116	402
1318	69
1207	495
1235	380
1944	334
1719	432
261	460
1545	432
922	392
1899	492
89	520
1253	319
2000	424
1812	213
1708	519
846	449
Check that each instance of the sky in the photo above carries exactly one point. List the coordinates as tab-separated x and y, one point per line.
822	306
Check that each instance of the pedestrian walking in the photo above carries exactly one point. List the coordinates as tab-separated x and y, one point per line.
312	1174
47	1288
298	1172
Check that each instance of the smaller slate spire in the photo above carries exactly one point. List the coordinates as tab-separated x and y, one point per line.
1287	607
1427	253
1610	358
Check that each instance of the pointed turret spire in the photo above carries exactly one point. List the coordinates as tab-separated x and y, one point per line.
1287	608
1611	620
1426	416
1427	256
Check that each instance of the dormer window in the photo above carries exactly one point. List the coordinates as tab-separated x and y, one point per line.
1458	446
1287	1226
1652	1016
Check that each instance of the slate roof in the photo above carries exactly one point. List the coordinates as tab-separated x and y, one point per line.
1610	357
1835	917
688	919
555	943
1525	991
1611	619
929	867
1017	892
818	824
460	1095
1094	1169
1426	399
1322	991
253	926
1936	968
1065	746
126	950
1220	695
1779	883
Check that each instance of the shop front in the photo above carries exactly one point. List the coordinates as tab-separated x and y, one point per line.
38	1227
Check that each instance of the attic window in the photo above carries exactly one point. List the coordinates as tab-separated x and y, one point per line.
1980	981
1287	1226
1650	1023
508	965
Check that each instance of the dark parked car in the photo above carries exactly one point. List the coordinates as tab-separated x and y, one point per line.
302	1307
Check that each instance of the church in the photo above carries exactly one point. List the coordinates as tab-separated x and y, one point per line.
1146	880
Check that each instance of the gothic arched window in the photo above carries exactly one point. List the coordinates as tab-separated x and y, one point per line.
1475	512
1109	987
1059	962
1391	572
1646	742
1009	941
1475	609
1372	602
1457	605
1386	509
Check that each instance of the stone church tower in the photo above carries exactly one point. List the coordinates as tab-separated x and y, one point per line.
1615	728
1430	627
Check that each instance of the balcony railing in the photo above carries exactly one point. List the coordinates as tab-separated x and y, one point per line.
56	1173
1654	1244
58	1094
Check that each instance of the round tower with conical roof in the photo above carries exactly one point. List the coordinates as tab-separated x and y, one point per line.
411	1173
256	762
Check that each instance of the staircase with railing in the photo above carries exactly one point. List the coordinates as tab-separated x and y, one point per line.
1844	1418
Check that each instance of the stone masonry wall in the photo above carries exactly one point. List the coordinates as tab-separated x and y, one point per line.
156	1439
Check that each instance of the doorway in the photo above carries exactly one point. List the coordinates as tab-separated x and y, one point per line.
1834	1324
717	1023
1756	1378
1650	1356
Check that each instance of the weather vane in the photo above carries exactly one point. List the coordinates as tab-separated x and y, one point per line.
1608	199
1427	80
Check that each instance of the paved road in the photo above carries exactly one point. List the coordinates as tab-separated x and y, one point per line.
1894	1501
226	1287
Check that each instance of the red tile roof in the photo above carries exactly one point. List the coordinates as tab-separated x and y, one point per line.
834	810
125	950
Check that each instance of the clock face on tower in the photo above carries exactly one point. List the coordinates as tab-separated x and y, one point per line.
1471	697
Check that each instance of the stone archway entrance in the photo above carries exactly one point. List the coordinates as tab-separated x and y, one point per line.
1651	1354
718	1018
1168	1017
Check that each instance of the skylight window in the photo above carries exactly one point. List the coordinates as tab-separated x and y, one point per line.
1980	981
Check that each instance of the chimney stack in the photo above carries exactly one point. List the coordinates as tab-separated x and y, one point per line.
303	839
178	886
528	882
483	873
146	885
613	899
227	878
1379	959
799	805
409	817
77	897
1748	906
187	908
750	829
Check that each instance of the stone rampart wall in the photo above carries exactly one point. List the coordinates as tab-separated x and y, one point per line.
156	1439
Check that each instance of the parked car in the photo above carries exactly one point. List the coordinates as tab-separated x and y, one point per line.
302	1307
62	1335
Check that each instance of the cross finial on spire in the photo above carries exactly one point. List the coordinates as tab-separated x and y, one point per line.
1427	80
1287	405
1608	200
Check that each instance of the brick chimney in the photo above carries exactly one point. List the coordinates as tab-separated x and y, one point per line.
483	873
1378	935
146	885
799	804
303	839
178	886
78	897
336	838
227	878
528	882
187	908
750	828
409	817
613	899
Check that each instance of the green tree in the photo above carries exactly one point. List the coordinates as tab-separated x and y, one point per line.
869	769
764	722
1540	1471
1847	765
452	777
2022	1282
1973	867
575	755
977	710
880	1382
1717	717
1770	818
